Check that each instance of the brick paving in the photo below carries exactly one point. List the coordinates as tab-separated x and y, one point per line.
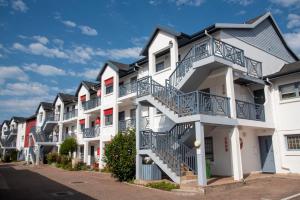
46	182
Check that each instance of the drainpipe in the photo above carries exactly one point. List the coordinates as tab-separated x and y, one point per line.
207	34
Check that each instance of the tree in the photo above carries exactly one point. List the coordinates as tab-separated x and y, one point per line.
120	156
69	145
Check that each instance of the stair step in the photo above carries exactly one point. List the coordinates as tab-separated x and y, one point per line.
189	177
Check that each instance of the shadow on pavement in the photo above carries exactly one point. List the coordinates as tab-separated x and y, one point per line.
25	184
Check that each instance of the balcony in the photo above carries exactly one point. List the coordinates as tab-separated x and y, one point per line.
92	103
70	114
91	132
126	124
7	132
14	131
68	135
250	111
217	48
127	89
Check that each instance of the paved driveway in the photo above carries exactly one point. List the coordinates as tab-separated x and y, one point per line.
26	182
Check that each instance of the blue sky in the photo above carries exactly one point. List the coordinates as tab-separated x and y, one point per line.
48	47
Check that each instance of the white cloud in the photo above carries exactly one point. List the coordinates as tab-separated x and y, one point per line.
293	21
69	23
154	2
3	3
86	30
45	70
19	5
12	73
40	49
240	2
22	89
287	3
242	12
293	39
139	41
133	52
41	39
89	73
58	42
188	2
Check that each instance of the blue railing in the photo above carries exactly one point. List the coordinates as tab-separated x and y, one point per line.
126	89
184	104
214	47
168	148
68	135
92	103
126	124
70	114
251	111
91	132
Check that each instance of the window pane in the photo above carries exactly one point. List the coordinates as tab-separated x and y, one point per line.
288	91
293	142
160	66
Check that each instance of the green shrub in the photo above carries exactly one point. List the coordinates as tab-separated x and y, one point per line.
14	155
52	157
69	145
120	156
106	169
80	166
163	186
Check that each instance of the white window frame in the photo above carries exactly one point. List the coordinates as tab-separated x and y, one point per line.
287	142
296	90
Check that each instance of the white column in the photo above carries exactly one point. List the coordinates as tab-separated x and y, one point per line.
230	91
137	137
60	132
201	163
37	161
85	151
236	157
101	146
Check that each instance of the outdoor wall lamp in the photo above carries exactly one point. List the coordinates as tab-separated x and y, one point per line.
170	44
197	143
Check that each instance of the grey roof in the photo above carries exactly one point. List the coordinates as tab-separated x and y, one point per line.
184	39
287	69
31	117
46	106
121	68
5	122
18	119
66	98
91	86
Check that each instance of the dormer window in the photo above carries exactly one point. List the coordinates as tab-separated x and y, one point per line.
109	86
160	66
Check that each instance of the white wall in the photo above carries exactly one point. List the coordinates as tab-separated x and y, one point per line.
21	135
287	122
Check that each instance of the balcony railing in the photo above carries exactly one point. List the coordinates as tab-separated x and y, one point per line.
251	111
214	47
91	132
184	104
126	124
70	114
126	89
92	103
7	132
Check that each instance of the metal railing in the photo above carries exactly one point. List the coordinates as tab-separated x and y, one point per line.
7	132
170	150
184	104
43	137
251	111
214	47
127	124
91	132
70	114
92	103
126	89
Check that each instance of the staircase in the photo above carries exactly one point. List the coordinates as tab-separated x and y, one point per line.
176	104
165	148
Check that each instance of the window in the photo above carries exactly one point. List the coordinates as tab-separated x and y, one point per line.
132	113
160	66
293	142
109	86
121	116
92	151
82	124
108	114
290	91
209	150
41	117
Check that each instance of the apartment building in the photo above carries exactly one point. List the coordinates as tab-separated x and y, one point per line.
222	99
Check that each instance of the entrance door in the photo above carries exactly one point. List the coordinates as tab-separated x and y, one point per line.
266	154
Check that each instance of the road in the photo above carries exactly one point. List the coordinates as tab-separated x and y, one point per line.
18	182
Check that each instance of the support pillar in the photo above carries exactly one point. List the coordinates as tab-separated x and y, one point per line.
201	163
138	162
37	160
85	151
230	92
236	157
